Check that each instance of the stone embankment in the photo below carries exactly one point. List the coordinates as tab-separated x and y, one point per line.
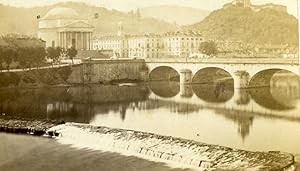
166	148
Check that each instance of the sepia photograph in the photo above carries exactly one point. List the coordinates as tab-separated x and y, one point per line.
149	85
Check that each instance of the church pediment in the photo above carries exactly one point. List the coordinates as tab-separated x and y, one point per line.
78	24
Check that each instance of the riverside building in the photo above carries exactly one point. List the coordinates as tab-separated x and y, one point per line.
171	44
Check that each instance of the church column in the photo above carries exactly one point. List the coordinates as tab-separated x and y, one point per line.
88	40
60	39
91	41
65	40
83	40
76	40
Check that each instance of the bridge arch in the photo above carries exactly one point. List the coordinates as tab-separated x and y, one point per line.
274	77
213	84
164	73
211	75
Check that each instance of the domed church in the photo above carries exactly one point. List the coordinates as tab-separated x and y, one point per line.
64	27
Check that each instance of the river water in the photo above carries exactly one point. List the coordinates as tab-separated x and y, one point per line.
258	119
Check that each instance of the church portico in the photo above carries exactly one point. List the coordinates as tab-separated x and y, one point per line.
63	27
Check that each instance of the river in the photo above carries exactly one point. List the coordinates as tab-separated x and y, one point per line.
257	119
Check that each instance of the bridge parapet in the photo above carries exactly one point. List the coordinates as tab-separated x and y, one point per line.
226	60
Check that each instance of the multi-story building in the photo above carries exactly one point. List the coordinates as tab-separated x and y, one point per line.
145	46
176	44
118	44
181	44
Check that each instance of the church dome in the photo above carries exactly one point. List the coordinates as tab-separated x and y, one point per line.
61	13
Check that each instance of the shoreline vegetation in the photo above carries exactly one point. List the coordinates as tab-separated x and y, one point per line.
200	155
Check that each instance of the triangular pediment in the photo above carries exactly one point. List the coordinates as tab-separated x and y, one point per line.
78	24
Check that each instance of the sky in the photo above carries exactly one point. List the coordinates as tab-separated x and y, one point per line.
127	5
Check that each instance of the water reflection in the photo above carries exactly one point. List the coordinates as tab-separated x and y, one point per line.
219	92
165	88
243	120
215	112
275	98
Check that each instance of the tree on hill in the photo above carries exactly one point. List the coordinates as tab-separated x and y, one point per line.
71	53
208	48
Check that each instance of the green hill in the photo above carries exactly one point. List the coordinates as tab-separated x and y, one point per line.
24	20
244	24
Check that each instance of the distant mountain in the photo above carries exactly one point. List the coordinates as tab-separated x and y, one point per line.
24	20
244	24
179	14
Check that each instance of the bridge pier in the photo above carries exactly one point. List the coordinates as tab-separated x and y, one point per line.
241	96
185	76
186	90
241	79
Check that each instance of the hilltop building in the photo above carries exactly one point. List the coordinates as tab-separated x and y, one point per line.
247	4
64	27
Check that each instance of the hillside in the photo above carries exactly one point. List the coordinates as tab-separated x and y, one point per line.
175	14
24	20
237	23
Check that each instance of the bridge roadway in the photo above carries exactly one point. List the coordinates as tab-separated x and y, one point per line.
257	71
251	107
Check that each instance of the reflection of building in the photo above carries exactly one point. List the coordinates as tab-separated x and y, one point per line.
243	120
64	27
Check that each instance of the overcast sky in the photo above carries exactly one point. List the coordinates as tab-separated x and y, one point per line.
127	5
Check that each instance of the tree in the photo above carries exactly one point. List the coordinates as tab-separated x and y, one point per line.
71	53
9	55
208	48
39	55
1	58
23	57
54	53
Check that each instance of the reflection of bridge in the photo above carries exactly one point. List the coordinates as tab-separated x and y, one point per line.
240	100
245	72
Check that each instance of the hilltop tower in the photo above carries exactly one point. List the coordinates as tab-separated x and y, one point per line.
245	3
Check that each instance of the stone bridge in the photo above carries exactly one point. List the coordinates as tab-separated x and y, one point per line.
244	72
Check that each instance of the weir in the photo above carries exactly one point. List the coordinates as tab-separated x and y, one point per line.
165	148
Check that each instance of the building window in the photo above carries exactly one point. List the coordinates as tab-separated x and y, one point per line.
53	43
